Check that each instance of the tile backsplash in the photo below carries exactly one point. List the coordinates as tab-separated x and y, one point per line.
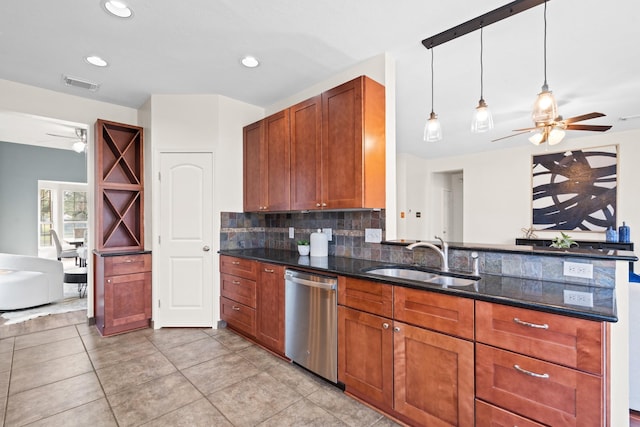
252	230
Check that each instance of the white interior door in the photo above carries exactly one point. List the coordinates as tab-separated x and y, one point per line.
447	214
185	259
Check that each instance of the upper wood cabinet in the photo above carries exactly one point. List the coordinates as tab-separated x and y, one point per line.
119	174
266	164
335	143
353	145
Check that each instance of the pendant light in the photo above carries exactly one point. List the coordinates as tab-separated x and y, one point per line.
482	119
545	109
432	129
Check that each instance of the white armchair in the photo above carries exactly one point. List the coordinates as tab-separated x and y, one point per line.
27	281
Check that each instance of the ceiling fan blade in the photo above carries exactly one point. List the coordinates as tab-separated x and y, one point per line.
62	136
509	136
525	129
582	117
595	128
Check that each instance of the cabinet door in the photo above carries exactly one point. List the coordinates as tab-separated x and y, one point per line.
434	377
270	307
353	145
127	302
365	356
306	154
276	163
253	136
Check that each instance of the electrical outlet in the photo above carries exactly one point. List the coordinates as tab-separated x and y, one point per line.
292	233
373	235
584	299
578	269
329	233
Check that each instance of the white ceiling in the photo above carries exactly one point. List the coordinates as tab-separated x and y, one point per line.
195	46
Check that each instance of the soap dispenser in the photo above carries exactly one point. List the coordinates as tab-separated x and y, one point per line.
319	244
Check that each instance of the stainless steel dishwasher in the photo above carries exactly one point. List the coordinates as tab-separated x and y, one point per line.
311	322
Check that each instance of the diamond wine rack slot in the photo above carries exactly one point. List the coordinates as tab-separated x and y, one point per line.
120	185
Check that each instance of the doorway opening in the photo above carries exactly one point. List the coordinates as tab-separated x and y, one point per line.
447	201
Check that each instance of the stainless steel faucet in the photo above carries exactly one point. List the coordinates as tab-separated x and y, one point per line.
444	252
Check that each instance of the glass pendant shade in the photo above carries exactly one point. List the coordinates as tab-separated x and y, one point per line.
432	129
482	119
537	138
545	109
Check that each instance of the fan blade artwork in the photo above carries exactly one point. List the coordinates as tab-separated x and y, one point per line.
560	124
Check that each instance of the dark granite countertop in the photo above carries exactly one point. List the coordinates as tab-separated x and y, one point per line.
574	252
527	293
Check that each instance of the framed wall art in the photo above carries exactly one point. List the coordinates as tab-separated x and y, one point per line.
575	190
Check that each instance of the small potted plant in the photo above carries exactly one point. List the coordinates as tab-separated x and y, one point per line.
303	247
564	241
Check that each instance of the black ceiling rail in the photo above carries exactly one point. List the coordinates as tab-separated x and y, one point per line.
488	18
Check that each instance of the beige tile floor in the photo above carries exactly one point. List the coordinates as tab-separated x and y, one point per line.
57	371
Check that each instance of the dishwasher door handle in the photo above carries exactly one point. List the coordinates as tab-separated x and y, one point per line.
314	284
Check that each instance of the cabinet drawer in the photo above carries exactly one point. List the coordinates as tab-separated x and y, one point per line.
545	392
492	416
443	313
238	316
372	297
572	342
238	289
238	267
126	264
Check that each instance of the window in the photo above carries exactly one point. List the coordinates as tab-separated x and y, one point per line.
63	207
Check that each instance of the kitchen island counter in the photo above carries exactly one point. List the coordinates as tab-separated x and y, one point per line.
537	294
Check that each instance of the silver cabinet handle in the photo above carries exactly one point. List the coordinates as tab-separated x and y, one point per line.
396	329
235	282
206	248
266	270
324	205
385	326
235	308
531	374
531	325
235	262
317	205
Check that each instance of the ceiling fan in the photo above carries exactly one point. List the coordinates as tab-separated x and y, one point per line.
81	139
553	131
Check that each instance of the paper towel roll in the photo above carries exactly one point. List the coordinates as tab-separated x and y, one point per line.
319	244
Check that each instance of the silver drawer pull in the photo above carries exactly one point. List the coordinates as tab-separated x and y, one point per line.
235	262
266	270
233	307
385	325
531	325
235	282
532	374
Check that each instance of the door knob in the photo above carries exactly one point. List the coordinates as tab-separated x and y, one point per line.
206	248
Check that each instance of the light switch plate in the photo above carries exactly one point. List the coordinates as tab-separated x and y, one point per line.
292	233
329	233
373	235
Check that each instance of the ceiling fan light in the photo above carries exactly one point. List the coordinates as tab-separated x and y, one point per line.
545	109
432	129
537	138
555	136
482	118
79	147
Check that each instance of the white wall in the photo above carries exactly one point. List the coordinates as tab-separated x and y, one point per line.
497	186
199	123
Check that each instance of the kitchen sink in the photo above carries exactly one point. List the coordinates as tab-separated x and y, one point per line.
422	276
403	273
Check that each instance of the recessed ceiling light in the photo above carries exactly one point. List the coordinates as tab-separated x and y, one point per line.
96	60
118	8
250	62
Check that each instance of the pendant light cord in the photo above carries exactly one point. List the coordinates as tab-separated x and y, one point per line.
481	67
431	80
545	43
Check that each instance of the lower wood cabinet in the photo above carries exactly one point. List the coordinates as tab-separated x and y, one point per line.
123	292
270	307
420	376
491	416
